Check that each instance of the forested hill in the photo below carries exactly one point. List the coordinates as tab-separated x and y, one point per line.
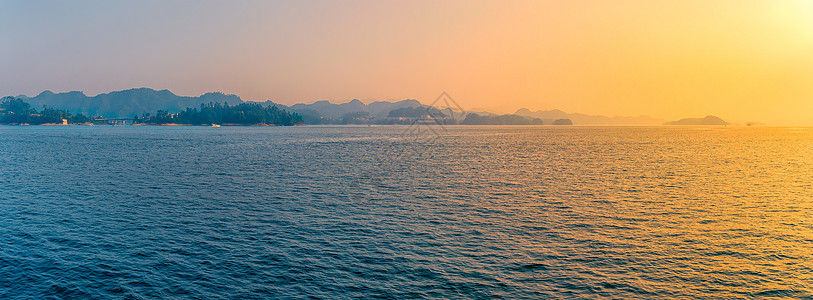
215	113
127	103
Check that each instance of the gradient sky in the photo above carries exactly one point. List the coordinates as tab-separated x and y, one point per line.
741	60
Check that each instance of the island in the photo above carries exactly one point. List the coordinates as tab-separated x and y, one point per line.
563	122
708	120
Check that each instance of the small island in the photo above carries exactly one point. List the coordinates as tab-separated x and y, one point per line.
563	122
708	120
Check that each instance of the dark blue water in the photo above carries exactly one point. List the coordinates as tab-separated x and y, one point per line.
362	212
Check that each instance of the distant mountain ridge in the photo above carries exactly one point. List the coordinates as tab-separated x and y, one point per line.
137	101
335	111
486	119
126	103
549	116
353	112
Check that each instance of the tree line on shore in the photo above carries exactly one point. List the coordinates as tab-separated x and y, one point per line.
216	113
17	111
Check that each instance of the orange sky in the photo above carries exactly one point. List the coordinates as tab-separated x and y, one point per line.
741	60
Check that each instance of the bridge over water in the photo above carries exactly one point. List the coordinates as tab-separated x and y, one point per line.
114	121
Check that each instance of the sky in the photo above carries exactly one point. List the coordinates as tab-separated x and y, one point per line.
742	60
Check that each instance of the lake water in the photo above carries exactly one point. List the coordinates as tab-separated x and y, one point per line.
363	212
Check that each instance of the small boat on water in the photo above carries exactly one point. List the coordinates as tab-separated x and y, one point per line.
215	125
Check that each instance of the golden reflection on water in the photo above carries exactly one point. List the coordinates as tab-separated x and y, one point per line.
704	211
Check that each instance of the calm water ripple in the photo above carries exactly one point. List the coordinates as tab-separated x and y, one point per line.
356	212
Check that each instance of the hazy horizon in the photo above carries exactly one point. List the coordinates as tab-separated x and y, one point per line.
739	60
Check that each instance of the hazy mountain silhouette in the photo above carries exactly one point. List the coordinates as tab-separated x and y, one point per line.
123	104
708	120
127	103
550	116
324	112
336	111
478	119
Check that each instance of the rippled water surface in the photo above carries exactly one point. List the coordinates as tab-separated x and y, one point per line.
361	212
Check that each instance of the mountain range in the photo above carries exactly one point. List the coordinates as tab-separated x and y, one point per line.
355	111
127	103
549	116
